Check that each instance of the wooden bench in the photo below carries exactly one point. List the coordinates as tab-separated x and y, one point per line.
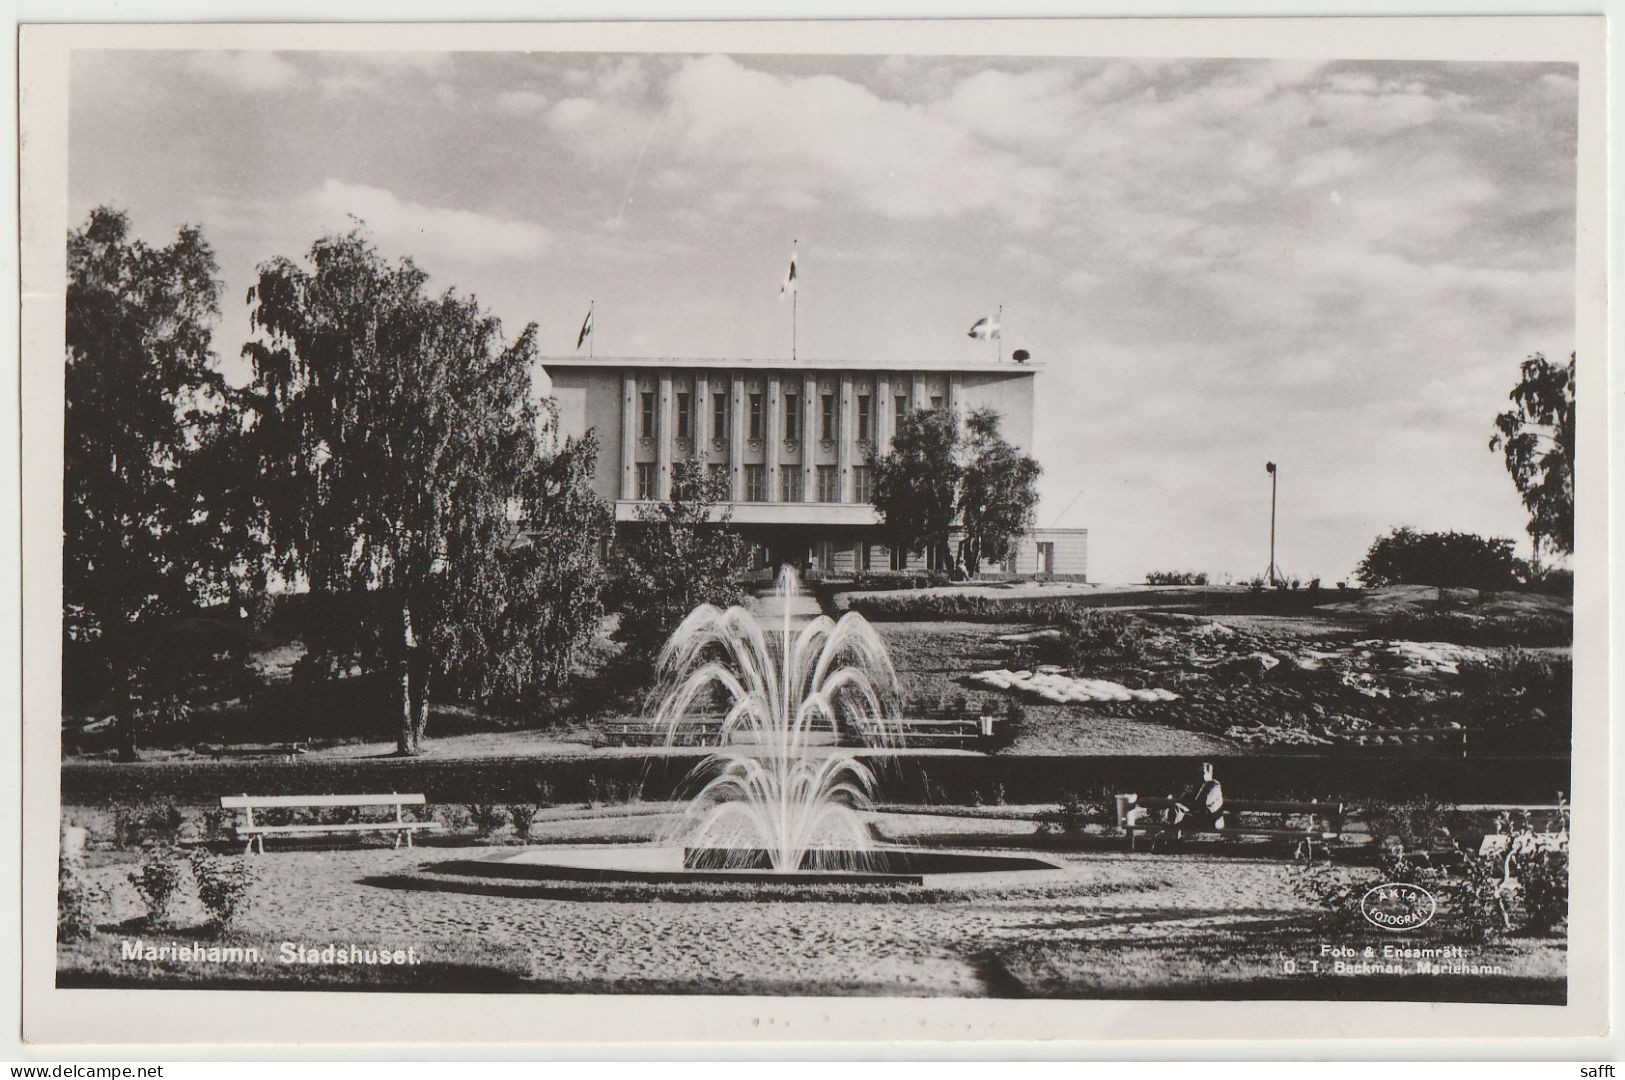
705	731
1451	740
1317	822
254	835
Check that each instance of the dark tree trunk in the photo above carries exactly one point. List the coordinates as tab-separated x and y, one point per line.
127	724
418	669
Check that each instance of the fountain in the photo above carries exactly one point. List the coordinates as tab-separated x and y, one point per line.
783	798
781	789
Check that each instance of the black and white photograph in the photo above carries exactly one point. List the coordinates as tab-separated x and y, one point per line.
652	516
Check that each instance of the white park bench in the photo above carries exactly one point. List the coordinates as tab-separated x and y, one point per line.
254	834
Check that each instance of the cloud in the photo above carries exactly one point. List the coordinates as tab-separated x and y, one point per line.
427	231
251	72
800	141
521	102
400	226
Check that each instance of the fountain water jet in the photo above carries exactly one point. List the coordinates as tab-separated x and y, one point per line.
780	783
781	801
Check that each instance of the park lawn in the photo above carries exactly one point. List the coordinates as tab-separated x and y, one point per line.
1265	964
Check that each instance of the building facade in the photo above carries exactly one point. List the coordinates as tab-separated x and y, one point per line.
792	441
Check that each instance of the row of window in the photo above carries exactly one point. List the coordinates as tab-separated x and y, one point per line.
863	556
648	422
790	483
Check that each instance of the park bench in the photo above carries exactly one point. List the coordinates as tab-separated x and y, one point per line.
254	834
1307	823
1447	740
702	731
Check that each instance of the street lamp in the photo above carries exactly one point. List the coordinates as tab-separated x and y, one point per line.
1273	574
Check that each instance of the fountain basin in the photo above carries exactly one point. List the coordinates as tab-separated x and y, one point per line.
823	866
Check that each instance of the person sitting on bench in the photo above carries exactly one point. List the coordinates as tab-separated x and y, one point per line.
1202	808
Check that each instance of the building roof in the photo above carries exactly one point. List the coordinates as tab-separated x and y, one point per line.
1003	367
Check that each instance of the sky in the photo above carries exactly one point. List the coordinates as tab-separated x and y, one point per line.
1335	266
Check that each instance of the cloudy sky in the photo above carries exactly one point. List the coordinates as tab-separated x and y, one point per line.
1335	266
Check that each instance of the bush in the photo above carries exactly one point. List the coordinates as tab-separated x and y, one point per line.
146	824
454	818
488	818
522	814
1071	816
1532	630
159	880
1517	698
223	884
1176	577
1089	634
1451	560
76	901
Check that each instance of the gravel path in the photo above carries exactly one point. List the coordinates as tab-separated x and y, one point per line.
938	948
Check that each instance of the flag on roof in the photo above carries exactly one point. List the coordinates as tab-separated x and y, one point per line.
789	285
586	328
984	328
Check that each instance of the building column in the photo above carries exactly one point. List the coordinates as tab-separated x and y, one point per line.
956	394
665	439
881	419
736	438
809	437
845	438
700	423
772	438
916	395
629	434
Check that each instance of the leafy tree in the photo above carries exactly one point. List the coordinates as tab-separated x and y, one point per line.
1445	559
146	449
683	552
997	492
401	449
916	483
518	622
1537	439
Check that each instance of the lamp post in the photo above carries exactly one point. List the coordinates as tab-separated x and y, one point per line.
1272	575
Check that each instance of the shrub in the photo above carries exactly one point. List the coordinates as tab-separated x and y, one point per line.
488	818
145	824
1518	697
522	814
1468	628
1410	828
1444	559
76	900
159	880
1070	817
1091	634
1176	577
223	884
1539	863
219	824
453	817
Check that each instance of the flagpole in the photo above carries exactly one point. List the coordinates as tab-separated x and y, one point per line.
998	328
794	297
592	337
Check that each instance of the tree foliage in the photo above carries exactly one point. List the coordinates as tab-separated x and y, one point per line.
149	530
936	476
916	483
1536	438
401	447
997	492
1445	559
682	552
